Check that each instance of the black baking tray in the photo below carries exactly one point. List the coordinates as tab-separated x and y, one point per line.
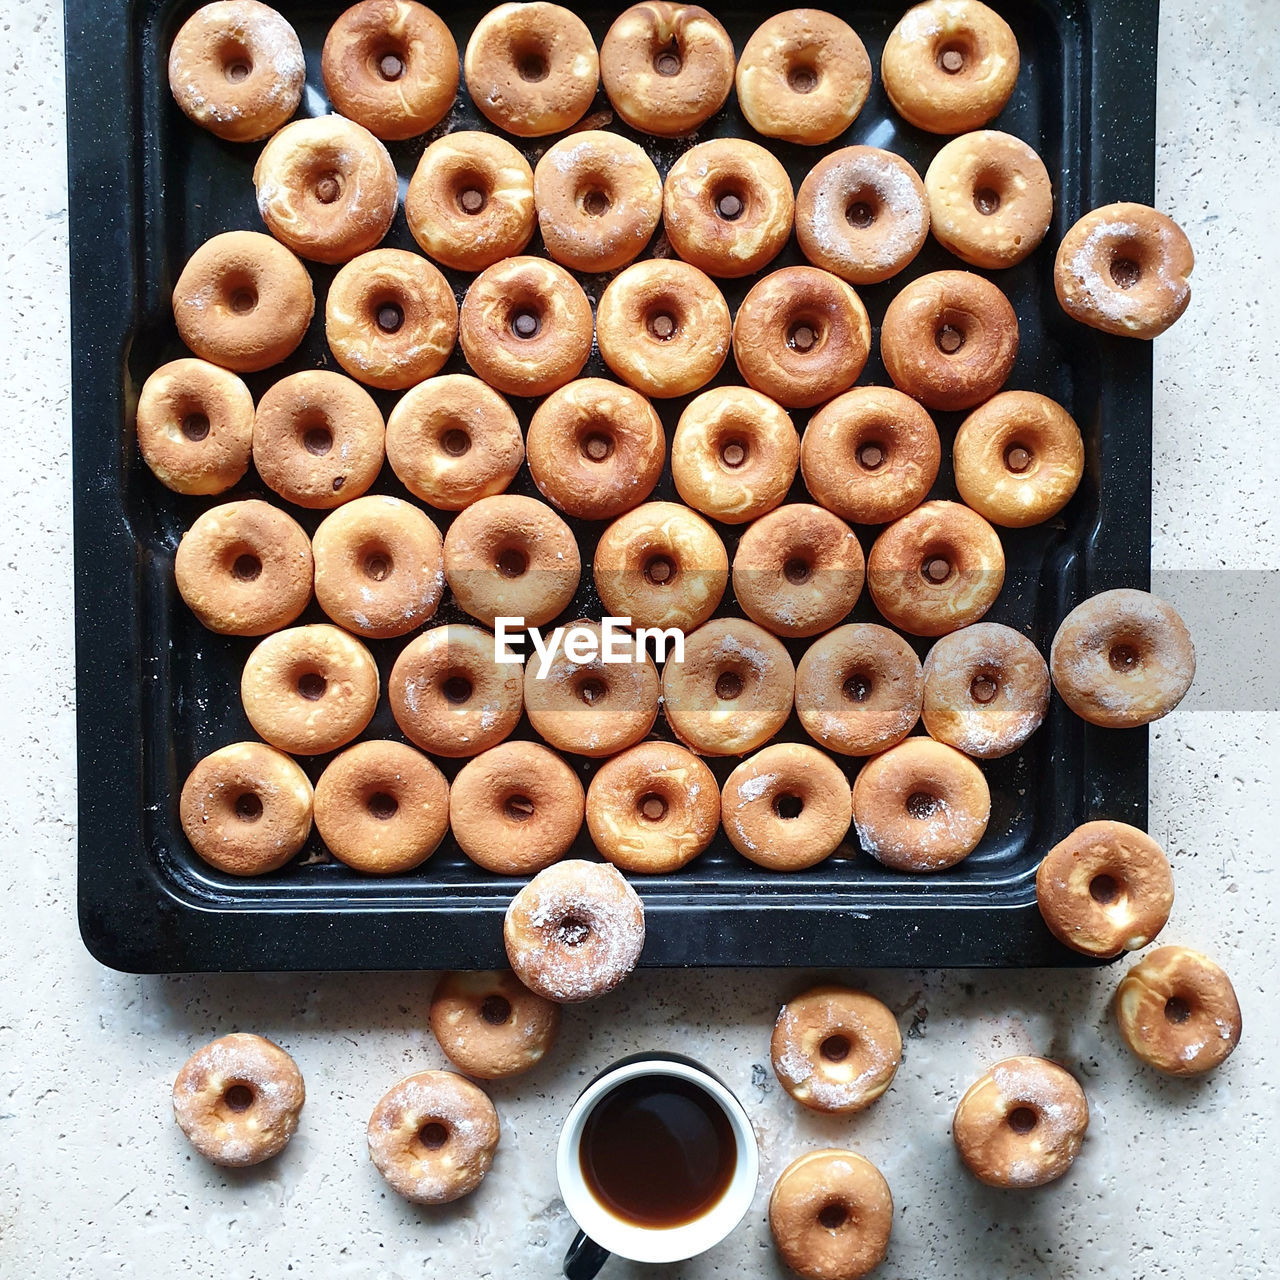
156	691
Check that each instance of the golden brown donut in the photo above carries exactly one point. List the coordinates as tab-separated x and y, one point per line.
491	1025
986	690
732	692
803	77
326	188
663	327
734	454
1123	269
243	301
786	807
598	198
244	568
990	198
195	426
532	69
949	339
859	689
511	557
379	567
575	931
834	1049
861	214
667	68
595	449
318	439
950	65
525	325
516	808
1018	459
1105	889
661	566
727	206
246	809
920	806
450	695
653	808
801	336
1178	1012
470	200
1122	658
392	66
236	68
309	690
798	570
390	318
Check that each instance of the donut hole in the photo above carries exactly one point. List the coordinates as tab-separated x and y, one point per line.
594	202
1177	1010
532	64
236	61
805	335
802	77
377	564
652	807
1022	1119
246	567
922	805
1018	457
382	806
518	808
667	60
862	208
729	685
591	689
831	1217
248	807
1124	657
836	1048
511	562
457	689
729	202
797	570
311	686
871	455
238	1097
572	931
596	445
328	186
949	337
496	1010
1104	889
954	56
455	442
242	299
317	439
788	807
470	190
526	323
388	315
986	199
984	688
857	686
662	323
1125	269
195	427
660	570
936	568
433	1135
391	65
733	451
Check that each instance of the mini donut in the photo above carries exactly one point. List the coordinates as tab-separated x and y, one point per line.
949	339
453	440
511	557
938	568
870	455
236	68
491	1025
1177	1011
516	808
920	806
318	439
801	336
432	1137
990	199
803	77
734	454
1105	889
575	931
653	808
390	317
661	565
531	69
326	188
525	325
1122	658
727	207
243	301
595	449
450	695
667	68
244	568
470	201
663	327
592	708
859	689
195	426
861	214
599	199
1018	459
986	690
732	692
239	1097
1123	269
1021	1124
798	571
379	567
309	690
835	1050
950	65
786	807
830	1215
392	66
246	809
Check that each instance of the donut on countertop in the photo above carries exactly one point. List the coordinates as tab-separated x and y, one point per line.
491	1025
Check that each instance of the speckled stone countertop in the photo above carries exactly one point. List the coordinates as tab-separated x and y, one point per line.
1176	1178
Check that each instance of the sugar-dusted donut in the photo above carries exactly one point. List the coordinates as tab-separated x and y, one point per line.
491	1025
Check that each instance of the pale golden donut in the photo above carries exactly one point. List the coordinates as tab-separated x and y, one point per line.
491	1025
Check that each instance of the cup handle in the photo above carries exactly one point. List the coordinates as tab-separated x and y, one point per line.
585	1258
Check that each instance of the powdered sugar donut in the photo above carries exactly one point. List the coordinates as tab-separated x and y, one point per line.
491	1025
